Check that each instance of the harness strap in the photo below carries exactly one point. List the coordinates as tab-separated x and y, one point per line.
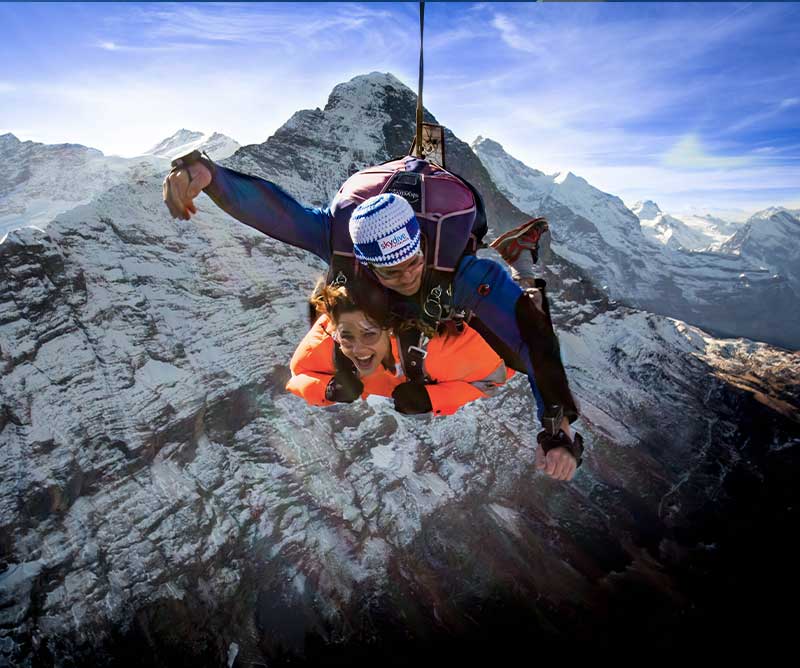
413	348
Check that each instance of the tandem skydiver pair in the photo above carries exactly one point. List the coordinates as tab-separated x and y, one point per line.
407	230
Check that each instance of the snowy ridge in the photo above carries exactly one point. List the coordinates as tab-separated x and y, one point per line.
39	181
770	238
216	145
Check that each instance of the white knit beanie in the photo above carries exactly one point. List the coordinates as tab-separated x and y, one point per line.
384	230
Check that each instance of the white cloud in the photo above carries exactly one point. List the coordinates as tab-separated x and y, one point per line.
248	23
150	48
689	153
128	114
513	37
764	115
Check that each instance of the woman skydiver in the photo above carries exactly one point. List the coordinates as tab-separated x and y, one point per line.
352	351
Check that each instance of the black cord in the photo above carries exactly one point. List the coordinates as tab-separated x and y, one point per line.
419	89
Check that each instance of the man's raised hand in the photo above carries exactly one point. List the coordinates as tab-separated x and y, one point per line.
181	186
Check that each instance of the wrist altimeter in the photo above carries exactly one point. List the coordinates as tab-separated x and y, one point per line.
184	161
549	441
190	159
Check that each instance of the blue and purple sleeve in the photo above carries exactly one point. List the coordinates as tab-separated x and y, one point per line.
485	288
269	209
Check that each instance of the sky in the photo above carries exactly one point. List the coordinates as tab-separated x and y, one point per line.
693	105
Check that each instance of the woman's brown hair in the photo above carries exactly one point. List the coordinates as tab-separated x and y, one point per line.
362	296
334	300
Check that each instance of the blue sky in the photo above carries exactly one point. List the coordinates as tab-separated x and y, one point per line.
694	105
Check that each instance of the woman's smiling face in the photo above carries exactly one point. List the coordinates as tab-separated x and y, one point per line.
362	341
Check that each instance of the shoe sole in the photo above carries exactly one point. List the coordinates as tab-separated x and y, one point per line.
520	231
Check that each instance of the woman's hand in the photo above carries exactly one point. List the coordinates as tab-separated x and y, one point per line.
344	387
411	399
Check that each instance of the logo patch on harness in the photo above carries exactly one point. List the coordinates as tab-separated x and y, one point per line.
392	243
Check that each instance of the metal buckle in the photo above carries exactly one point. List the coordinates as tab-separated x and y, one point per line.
434	298
552	418
422	351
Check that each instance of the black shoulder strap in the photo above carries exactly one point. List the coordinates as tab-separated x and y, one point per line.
410	186
342	269
436	297
413	348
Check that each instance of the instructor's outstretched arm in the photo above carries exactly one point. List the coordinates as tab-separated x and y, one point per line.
256	202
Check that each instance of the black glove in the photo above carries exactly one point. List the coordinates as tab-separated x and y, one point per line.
561	440
411	399
344	387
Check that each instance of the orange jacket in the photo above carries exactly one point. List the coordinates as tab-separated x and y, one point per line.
464	367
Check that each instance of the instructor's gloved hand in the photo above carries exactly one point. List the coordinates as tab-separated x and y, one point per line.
183	184
344	387
559	456
411	399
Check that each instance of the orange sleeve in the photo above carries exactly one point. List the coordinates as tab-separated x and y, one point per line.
312	365
447	398
464	366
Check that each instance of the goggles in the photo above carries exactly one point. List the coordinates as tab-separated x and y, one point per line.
396	272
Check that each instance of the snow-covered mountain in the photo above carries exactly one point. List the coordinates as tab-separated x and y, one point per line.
726	293
693	233
770	238
646	209
166	502
216	145
719	230
39	181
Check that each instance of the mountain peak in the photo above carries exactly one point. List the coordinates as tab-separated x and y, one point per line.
217	145
363	87
568	178
487	144
646	210
771	212
8	142
166	146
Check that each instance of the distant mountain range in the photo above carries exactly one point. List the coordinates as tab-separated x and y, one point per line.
694	233
647	264
40	181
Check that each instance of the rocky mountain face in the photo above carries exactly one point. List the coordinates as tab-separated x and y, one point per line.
770	238
39	181
216	145
720	291
166	502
